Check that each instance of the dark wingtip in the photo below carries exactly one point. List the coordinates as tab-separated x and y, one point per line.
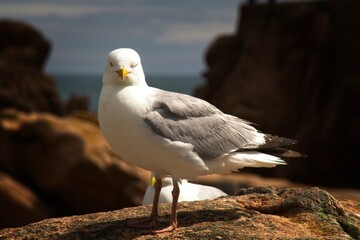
283	152
276	145
273	141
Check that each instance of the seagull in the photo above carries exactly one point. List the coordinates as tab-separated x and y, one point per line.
188	191
173	134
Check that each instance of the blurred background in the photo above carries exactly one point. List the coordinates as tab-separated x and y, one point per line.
291	67
170	37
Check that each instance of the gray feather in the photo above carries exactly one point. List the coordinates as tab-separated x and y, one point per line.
180	117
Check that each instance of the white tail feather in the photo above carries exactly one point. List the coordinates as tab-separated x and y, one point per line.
237	160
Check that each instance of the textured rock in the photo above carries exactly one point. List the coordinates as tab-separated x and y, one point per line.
23	85
231	183
68	163
260	213
293	70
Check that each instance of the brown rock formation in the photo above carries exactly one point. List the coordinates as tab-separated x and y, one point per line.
19	205
67	163
260	213
231	183
293	69
49	165
23	85
77	103
22	44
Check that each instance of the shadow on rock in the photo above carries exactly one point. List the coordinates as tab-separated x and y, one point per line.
119	229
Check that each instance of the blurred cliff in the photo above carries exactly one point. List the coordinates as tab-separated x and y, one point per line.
23	85
54	160
294	70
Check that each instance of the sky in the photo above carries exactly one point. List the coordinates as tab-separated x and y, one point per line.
171	36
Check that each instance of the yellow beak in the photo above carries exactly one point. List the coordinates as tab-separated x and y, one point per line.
122	72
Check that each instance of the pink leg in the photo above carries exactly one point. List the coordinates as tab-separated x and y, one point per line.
154	210
173	222
153	219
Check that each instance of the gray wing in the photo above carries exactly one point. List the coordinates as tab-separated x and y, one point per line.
180	117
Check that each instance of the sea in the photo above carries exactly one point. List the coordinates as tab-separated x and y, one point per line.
90	85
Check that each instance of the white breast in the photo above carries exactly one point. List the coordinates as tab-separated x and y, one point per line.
121	112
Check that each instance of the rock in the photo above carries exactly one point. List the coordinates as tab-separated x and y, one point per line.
261	213
28	90
77	103
232	183
293	70
23	85
68	163
19	205
22	44
63	163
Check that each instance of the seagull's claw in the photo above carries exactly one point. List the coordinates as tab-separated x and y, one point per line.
151	222
170	228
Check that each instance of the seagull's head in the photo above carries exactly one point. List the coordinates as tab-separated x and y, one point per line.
124	68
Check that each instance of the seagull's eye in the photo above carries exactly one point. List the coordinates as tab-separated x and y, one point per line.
133	65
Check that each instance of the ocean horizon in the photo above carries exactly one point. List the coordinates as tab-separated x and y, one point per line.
90	85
